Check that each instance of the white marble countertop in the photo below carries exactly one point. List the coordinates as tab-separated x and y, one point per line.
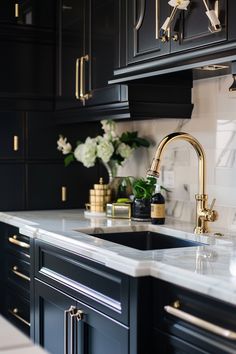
12	341
209	269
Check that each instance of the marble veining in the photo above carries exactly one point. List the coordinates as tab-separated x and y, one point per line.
209	269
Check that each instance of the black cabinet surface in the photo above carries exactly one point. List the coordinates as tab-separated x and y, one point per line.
12	136
195	330
87	52
143	23
28	12
62	322
16	277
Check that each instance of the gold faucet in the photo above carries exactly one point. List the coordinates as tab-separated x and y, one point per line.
203	213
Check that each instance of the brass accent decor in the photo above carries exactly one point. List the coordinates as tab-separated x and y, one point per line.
203	213
99	196
19	274
15	313
16	10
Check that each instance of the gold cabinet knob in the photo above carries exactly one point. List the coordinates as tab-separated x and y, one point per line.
175	37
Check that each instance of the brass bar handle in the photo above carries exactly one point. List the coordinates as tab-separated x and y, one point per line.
66	313
83	95
196	321
19	274
77	65
141	15
157	19
77	316
15	313
15	143
63	194
16	10
17	242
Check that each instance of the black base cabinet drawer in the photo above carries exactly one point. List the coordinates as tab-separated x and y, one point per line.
189	329
166	344
18	311
65	325
92	282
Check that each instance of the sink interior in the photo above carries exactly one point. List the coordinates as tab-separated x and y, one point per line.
146	240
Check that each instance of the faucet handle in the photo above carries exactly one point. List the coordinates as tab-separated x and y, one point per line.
212	205
212	215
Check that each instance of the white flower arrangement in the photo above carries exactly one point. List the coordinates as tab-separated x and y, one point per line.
109	148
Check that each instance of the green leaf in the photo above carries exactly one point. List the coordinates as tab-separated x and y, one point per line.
132	139
68	159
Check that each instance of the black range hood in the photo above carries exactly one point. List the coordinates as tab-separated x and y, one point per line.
164	96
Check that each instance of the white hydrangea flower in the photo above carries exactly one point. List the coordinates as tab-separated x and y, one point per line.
105	149
63	146
86	153
124	150
109	128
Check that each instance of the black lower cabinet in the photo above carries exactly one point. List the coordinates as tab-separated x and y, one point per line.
65	325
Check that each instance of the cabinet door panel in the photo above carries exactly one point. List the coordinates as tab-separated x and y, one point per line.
26	70
145	17
12	136
98	334
12	187
100	44
50	307
28	12
52	186
193	29
69	50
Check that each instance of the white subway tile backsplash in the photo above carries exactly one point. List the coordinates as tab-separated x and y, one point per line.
213	123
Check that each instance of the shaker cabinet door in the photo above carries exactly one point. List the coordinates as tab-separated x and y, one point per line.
12	136
12	187
145	17
28	12
53	186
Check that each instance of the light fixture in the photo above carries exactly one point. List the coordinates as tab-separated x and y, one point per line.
233	71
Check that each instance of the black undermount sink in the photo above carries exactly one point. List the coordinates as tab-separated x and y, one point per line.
146	240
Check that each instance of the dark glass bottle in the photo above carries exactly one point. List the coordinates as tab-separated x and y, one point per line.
157	207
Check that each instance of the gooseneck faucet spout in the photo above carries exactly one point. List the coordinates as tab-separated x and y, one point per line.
203	213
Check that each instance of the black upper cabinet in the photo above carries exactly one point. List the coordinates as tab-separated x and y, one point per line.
143	23
191	29
12	136
189	39
28	12
86	54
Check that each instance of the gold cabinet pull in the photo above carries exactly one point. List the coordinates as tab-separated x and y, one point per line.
15	143
199	322
19	274
77	65
16	10
141	15
66	313
63	194
17	242
83	95
157	19
15	313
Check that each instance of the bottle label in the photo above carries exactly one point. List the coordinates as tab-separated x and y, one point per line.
157	210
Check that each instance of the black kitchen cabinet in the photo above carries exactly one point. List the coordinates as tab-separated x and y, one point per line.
12	184
28	12
12	136
143	23
52	186
191	39
63	322
183	321
192	30
16	277
86	56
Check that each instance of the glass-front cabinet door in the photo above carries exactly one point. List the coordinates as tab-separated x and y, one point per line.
40	13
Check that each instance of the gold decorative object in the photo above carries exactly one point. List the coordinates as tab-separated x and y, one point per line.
99	196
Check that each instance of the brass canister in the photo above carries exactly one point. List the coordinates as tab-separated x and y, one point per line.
99	196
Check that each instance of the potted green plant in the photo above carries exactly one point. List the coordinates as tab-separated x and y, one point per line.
143	189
